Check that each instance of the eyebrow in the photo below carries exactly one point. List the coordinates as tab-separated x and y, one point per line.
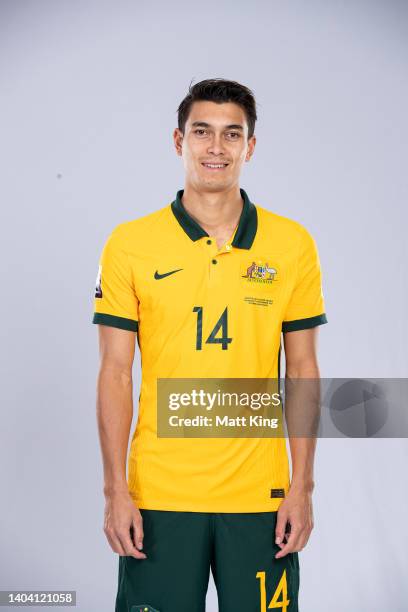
231	126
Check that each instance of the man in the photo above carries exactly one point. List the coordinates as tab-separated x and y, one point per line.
187	282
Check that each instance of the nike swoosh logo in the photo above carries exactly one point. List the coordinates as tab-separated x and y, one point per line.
157	276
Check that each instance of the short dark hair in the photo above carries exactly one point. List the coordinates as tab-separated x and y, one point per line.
219	91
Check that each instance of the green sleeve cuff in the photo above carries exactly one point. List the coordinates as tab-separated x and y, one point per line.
297	324
113	321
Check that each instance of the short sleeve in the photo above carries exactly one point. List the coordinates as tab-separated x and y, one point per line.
115	300
306	306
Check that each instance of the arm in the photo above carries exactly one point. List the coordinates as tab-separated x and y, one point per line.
301	362
114	416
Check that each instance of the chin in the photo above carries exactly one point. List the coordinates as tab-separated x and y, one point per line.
214	185
222	181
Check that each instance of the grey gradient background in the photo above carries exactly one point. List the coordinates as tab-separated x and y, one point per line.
89	92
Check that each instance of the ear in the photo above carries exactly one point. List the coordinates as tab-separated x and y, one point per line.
178	141
251	147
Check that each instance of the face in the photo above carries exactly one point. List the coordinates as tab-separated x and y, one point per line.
214	146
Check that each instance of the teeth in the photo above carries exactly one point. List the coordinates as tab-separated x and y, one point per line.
215	165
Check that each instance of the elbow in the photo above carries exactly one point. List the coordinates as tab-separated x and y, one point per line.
304	369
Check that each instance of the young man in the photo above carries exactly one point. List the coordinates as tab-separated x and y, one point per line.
207	285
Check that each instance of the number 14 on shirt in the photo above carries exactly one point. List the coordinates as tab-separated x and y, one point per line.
221	324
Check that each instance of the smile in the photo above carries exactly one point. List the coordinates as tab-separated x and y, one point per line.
214	166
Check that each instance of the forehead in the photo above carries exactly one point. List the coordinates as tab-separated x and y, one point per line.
217	115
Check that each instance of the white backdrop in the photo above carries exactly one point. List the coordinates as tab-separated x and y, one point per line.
89	95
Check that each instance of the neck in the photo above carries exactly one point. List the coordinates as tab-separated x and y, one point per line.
213	210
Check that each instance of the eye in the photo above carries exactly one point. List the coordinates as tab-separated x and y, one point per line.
199	131
233	135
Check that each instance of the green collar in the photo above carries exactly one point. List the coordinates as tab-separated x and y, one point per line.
247	226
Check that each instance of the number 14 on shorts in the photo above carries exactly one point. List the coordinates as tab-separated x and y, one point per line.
280	597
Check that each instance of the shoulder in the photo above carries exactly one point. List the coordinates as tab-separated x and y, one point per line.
289	231
136	233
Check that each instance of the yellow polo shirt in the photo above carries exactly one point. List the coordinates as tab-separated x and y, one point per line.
204	312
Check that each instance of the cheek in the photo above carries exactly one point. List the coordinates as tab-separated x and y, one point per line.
239	158
188	157
192	154
238	152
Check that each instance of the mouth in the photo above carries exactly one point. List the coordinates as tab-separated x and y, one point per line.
214	167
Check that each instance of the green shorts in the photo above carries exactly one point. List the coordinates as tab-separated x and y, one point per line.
181	547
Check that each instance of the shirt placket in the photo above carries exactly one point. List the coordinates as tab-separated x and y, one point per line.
214	260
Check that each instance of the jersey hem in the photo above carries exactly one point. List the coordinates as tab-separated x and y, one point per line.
272	506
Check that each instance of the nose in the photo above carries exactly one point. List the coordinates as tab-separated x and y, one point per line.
216	145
